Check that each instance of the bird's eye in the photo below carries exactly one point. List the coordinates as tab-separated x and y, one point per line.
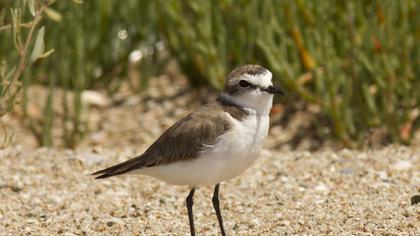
244	83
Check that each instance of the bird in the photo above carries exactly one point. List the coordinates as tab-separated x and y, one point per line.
214	143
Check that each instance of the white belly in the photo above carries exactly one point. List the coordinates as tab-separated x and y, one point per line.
231	155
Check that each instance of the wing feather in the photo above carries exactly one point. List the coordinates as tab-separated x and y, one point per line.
181	142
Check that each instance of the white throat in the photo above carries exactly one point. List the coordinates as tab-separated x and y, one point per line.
259	101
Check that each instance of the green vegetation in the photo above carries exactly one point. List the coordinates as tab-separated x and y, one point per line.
358	61
91	45
26	48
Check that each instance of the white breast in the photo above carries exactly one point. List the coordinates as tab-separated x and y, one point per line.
231	155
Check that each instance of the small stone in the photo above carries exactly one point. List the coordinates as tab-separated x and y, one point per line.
98	137
91	159
94	98
415	199
243	227
402	165
346	153
346	171
132	101
383	175
284	179
322	188
15	189
109	223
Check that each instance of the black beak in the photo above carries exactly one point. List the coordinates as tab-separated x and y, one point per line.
273	90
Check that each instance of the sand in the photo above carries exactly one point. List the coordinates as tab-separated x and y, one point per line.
50	192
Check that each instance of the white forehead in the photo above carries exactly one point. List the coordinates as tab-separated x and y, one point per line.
262	80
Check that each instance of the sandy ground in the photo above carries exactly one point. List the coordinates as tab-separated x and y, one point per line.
50	192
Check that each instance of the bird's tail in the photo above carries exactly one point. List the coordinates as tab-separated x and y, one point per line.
119	169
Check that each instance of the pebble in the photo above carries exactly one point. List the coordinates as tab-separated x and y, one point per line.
109	223
383	175
346	171
91	159
415	199
132	101
284	179
322	188
94	98
402	165
346	153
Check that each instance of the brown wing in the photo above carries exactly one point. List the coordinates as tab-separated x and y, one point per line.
182	141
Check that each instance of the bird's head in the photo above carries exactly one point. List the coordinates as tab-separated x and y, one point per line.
251	86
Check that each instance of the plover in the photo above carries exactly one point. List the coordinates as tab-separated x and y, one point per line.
214	143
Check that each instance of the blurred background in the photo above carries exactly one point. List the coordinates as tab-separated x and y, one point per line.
82	73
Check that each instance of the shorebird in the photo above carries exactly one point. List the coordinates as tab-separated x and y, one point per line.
214	143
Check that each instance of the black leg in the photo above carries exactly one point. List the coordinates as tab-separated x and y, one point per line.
189	201
217	208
